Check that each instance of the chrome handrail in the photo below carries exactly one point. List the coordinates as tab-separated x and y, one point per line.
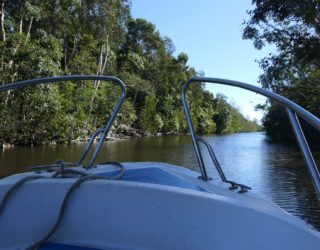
234	185
89	144
293	110
57	79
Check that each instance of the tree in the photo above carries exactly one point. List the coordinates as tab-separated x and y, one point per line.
293	26
92	37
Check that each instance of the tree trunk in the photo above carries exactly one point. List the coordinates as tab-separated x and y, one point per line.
21	25
103	60
3	31
29	30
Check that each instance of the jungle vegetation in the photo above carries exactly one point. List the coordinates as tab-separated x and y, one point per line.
293	70
100	37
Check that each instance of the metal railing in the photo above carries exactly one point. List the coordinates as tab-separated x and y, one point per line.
294	111
89	145
105	130
234	185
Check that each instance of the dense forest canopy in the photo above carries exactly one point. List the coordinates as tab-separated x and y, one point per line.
293	27
60	37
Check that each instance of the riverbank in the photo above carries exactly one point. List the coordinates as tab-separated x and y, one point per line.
119	134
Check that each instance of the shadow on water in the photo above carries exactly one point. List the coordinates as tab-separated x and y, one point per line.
172	149
275	171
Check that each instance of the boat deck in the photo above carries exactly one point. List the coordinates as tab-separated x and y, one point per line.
156	175
154	203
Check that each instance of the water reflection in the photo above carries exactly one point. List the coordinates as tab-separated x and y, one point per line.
275	171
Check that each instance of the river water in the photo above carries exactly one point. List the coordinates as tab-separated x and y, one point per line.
275	171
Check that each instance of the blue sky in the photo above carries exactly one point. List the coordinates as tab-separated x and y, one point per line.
210	32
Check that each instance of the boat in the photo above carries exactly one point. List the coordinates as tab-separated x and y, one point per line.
148	205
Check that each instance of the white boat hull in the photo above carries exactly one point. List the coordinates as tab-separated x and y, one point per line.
128	214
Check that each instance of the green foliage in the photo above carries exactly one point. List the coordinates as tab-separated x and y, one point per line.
293	27
223	120
229	119
149	119
127	115
96	37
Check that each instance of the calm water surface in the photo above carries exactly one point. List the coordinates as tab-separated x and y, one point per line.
274	171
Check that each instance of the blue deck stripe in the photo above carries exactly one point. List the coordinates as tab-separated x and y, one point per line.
55	246
155	176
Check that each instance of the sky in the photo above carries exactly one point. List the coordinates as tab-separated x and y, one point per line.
210	32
